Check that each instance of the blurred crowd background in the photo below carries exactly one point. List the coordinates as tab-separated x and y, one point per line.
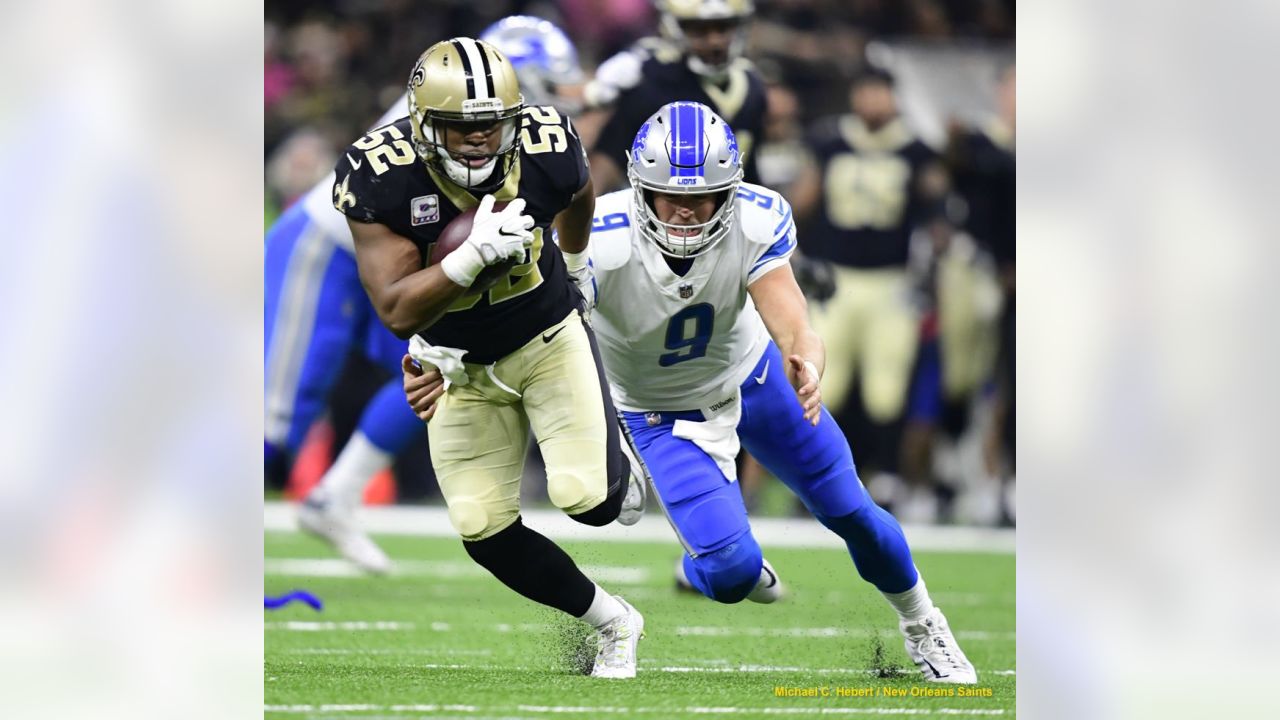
942	449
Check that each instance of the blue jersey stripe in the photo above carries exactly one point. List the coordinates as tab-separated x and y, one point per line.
777	250
786	220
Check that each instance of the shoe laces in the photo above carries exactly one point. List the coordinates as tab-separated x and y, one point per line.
613	649
934	642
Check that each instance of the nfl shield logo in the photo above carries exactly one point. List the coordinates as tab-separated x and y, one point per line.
424	209
652	419
686	292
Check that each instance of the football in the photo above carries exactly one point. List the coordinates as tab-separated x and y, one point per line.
456	233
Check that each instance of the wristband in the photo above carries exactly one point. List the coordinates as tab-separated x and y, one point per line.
463	264
575	262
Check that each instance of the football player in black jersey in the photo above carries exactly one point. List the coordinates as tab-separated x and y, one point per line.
874	181
515	354
982	161
699	59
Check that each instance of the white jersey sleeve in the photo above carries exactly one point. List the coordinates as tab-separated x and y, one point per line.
318	202
769	229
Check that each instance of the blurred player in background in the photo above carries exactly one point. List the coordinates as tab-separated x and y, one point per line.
982	161
545	60
517	353
873	182
699	58
956	291
706	340
317	313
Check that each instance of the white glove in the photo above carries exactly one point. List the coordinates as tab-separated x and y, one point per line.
583	275
615	75
495	238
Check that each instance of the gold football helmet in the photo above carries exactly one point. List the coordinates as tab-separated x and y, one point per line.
465	81
675	13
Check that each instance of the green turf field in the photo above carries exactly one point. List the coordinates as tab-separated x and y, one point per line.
444	640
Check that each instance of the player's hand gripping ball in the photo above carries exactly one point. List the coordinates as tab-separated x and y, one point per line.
456	233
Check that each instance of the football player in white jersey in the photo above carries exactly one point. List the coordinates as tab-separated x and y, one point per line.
706	343
317	312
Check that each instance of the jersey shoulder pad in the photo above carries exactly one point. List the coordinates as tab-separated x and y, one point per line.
549	139
372	173
763	214
539	140
611	230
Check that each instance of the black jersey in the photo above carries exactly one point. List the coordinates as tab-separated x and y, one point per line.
983	168
665	78
381	180
869	201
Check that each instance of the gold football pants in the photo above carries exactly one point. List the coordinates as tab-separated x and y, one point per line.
479	434
871	332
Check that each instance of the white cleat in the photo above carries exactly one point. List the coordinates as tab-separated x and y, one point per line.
933	649
616	653
769	588
634	503
323	517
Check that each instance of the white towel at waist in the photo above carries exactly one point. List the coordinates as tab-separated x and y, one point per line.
717	436
448	360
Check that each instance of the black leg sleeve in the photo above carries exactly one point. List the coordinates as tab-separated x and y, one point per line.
535	567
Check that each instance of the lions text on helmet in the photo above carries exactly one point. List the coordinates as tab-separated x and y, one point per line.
684	168
465	120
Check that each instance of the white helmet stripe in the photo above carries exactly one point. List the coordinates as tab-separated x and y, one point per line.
478	63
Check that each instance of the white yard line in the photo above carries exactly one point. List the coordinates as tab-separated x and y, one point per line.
315	626
819	632
442	569
384	651
612	710
433	521
685	630
646	664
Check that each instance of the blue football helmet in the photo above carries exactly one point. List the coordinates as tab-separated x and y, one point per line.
684	148
544	57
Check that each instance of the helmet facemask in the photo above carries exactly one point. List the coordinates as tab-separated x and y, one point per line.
683	241
435	151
